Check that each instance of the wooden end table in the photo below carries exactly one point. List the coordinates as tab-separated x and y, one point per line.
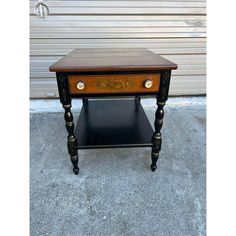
111	123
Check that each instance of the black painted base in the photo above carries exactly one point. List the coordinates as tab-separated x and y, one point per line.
113	123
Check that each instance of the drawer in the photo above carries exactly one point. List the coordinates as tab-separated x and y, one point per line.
98	84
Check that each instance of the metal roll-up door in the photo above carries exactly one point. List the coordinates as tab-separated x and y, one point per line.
174	29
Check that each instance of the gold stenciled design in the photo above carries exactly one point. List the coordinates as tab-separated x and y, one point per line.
114	84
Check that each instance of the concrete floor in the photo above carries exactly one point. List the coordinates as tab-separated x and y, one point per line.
115	192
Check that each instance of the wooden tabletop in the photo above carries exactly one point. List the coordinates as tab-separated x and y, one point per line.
111	59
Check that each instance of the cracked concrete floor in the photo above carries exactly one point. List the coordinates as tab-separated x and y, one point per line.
115	192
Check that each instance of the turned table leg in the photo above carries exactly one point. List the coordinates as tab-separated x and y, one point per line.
156	139
137	102
159	115
71	139
65	99
85	102
137	99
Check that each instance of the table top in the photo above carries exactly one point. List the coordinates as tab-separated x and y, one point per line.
111	59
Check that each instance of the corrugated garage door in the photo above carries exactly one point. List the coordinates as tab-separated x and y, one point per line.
174	29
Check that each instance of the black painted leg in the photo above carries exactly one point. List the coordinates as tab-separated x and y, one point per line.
85	102
155	157
157	140
137	102
71	139
137	99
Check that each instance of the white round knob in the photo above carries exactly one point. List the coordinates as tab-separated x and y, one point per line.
80	85
148	83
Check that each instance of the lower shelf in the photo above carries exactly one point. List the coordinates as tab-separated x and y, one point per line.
113	123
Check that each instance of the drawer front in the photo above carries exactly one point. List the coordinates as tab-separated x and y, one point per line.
97	84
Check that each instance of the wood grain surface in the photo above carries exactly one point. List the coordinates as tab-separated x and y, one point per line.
122	83
87	60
